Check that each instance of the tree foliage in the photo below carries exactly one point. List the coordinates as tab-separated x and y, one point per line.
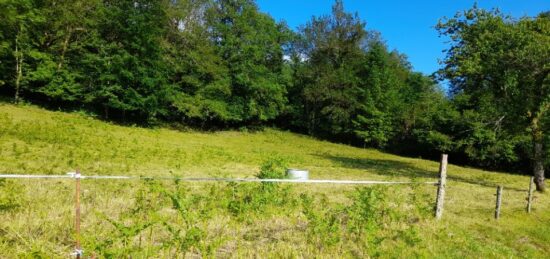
500	64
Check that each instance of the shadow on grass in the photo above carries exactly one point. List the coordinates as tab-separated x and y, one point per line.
385	167
382	167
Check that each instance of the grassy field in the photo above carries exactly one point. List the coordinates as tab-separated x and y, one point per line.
164	219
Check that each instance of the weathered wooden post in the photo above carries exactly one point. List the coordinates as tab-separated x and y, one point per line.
78	248
530	194
499	201
441	187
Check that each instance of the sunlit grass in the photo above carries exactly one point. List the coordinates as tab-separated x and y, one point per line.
40	219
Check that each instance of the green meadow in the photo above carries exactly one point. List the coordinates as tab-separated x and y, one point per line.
170	219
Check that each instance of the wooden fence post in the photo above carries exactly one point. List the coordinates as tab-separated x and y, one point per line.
499	201
78	248
441	187
530	194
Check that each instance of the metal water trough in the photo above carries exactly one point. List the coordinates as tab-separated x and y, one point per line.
297	174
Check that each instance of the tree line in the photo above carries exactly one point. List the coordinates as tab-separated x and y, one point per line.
218	64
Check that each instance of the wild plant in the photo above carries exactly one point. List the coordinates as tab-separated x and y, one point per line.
323	222
188	231
127	231
11	196
246	200
367	216
360	222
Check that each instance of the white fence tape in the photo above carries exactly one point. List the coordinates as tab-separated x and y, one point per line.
122	177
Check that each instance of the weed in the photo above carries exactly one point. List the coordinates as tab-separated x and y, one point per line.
10	195
273	168
126	236
324	223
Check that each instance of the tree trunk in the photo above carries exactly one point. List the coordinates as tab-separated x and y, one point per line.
538	165
18	70
106	110
538	153
64	48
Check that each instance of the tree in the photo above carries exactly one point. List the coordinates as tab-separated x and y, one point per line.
502	63
383	82
126	75
19	34
198	73
250	43
331	47
58	75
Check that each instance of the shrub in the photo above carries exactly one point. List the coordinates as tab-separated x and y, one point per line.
273	168
324	223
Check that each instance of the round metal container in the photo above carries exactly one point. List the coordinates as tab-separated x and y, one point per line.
297	174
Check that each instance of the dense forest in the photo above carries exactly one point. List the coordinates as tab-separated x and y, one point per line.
220	64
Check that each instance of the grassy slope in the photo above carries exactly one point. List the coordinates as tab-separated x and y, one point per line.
33	140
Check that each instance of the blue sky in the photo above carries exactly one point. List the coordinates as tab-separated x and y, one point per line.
405	25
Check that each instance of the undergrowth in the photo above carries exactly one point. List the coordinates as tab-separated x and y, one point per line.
183	221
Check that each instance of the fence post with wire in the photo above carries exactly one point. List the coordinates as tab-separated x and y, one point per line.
441	187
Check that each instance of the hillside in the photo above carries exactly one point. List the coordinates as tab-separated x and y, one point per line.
123	218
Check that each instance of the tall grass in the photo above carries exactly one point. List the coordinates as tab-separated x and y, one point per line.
160	219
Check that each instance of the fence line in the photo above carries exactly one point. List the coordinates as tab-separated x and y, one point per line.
77	176
205	179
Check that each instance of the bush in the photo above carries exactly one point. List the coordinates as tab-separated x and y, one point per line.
273	168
